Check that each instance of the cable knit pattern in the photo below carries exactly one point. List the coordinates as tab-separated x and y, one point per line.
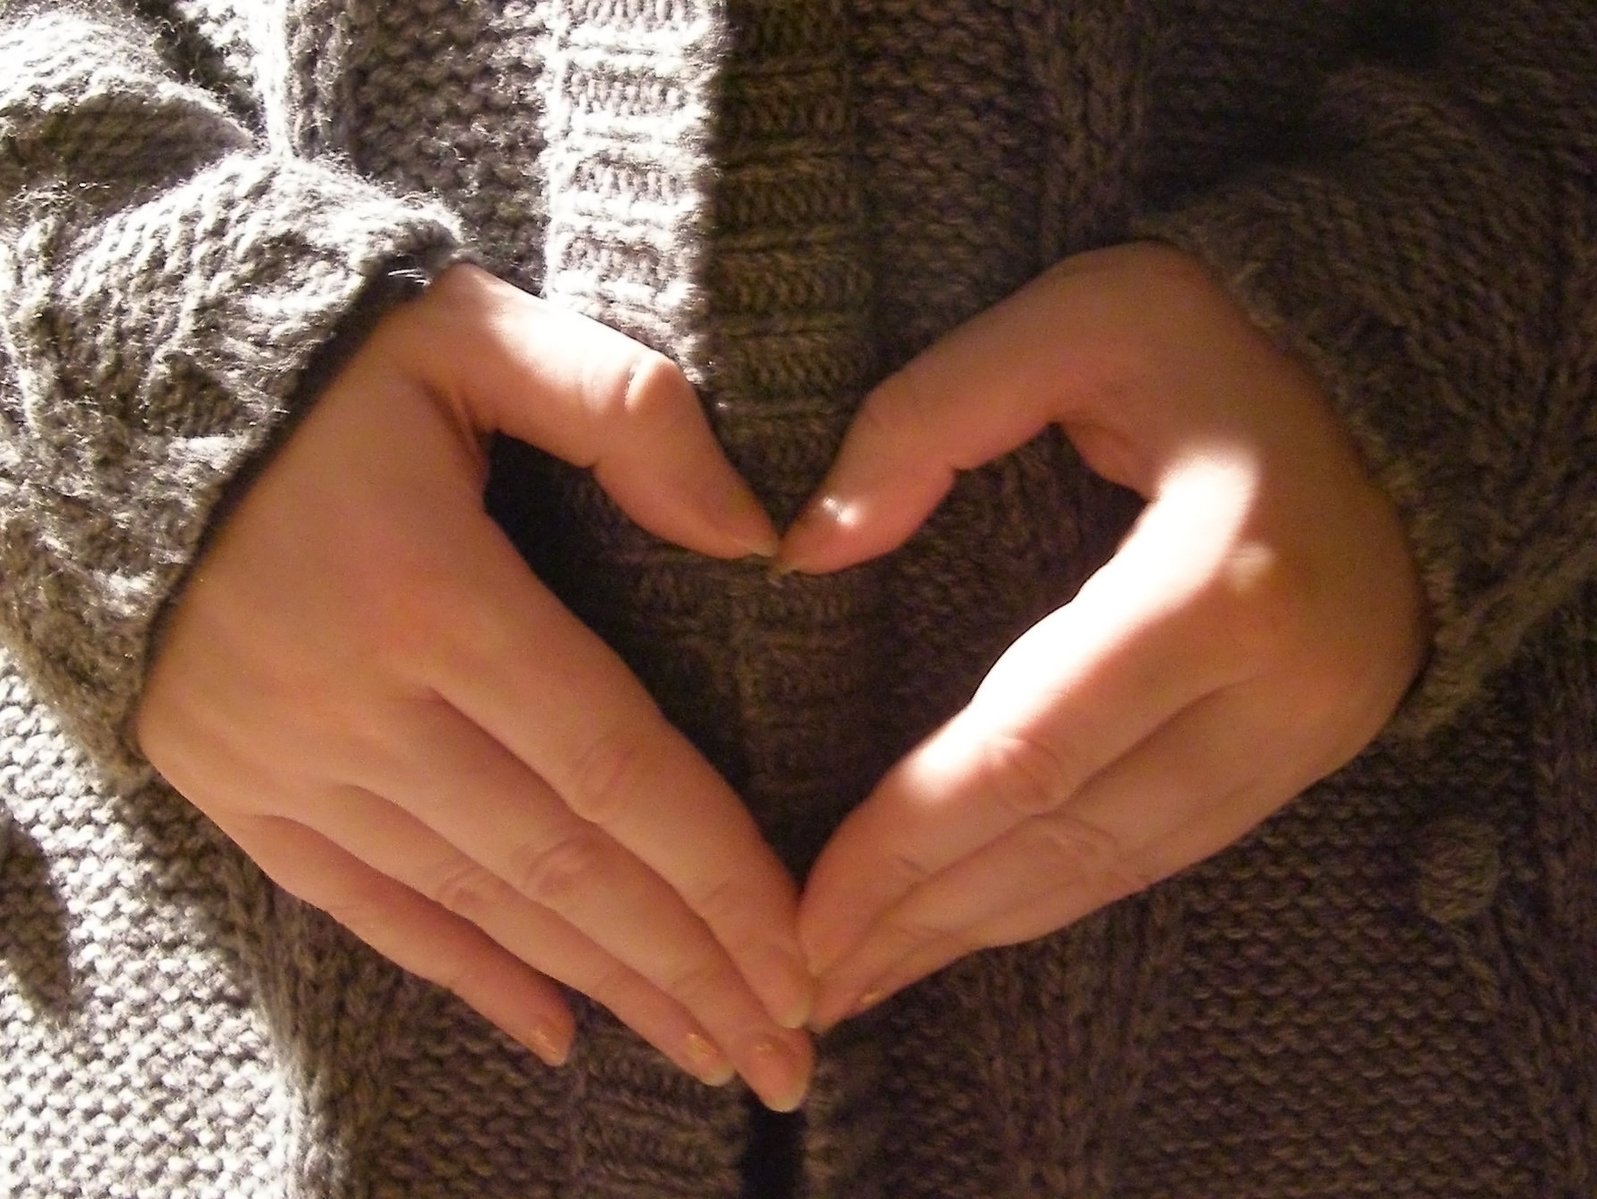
1387	990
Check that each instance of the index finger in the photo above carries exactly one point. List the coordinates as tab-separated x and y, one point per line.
591	396
536	679
981	390
1072	695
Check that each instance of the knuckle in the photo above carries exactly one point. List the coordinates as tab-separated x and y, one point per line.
451	971
554	875
906	934
609	771
166	740
359	907
467	891
651	389
406	620
699	983
354	910
1081	849
722	903
462	283
896	410
1026	775
905	869
610	984
1257	602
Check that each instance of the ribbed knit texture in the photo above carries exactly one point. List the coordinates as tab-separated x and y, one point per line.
1388	990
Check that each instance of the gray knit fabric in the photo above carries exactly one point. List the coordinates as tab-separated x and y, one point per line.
1389	989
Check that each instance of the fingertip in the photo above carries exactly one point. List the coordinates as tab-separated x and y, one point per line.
791	1005
854	519
779	1071
834	910
823	943
833	533
723	504
851	992
838	1003
699	503
787	1103
706	1062
815	543
829	1010
781	982
745	523
764	549
550	1041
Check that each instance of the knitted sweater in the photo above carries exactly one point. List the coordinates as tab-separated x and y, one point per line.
1390	988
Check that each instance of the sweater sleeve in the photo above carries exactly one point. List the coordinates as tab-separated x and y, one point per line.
168	272
1429	247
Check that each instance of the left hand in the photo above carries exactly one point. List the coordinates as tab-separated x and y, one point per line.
1254	632
364	685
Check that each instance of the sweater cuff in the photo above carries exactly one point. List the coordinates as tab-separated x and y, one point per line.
162	350
1417	273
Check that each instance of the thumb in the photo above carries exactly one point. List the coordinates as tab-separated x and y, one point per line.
597	399
983	390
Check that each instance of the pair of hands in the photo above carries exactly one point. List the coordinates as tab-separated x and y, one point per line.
364	686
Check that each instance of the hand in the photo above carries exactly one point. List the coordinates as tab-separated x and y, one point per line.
1255	630
364	686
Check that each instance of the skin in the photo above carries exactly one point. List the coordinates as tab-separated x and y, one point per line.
365	687
416	737
1256	629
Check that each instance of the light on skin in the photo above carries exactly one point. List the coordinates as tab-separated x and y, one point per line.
1265	597
364	686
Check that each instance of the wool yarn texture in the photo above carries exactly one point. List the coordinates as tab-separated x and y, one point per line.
1390	988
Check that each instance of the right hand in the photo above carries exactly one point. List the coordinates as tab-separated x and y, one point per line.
364	686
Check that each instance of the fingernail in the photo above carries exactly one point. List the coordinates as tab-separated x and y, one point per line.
765	549
830	1009
745	521
553	1049
795	1016
867	1001
823	1020
794	994
834	510
776	1075
829	1015
810	529
705	1062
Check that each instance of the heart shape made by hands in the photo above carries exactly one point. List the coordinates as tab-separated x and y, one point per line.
363	685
